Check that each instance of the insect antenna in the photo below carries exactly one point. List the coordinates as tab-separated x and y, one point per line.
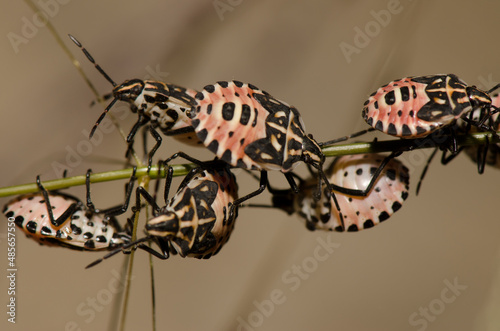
496	87
98	67
118	250
91	59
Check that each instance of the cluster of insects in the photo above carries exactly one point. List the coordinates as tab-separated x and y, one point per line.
245	127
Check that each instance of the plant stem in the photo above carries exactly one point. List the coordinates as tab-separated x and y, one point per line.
478	138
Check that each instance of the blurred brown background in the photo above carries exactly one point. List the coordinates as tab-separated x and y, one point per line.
394	277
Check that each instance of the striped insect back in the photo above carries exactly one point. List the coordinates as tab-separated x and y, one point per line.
79	228
354	172
248	128
196	222
417	106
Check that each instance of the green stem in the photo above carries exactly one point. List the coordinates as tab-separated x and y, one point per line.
479	138
56	184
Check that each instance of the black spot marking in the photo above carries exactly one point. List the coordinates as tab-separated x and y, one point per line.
31	227
404	195
228	111
89	223
101	239
352	228
230	134
76	230
310	226
242	141
223	84
213	146
59	234
396	206
414	92
359	172
149	99
209	109
375	104
202	135
370	121
383	216
392	129
46	231
237	83
172	114
195	123
89	244
390	98
209	89
226	157
253	87
400	113
19	220
246	112
199	96
405	93
391	173
254	123
88	235
379	126
406	130
368	224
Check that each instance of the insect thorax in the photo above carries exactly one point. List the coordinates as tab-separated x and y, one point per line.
164	104
477	97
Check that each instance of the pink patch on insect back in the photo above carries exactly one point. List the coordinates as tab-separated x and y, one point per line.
400	112
386	191
35	210
385	198
232	134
